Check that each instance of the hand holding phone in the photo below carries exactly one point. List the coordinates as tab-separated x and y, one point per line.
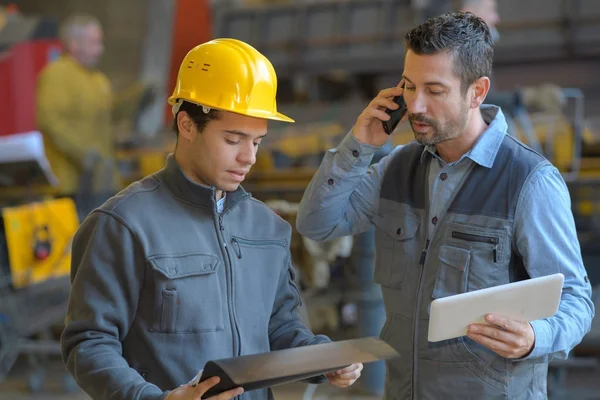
374	125
395	115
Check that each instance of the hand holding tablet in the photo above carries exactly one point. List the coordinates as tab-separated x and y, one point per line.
522	301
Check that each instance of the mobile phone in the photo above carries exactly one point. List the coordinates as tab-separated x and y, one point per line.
395	115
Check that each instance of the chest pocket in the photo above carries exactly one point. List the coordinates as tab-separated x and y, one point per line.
397	248
258	265
489	254
187	294
453	271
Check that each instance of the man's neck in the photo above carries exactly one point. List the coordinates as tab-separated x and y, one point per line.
76	61
189	172
452	150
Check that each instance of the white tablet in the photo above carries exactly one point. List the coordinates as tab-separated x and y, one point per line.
525	301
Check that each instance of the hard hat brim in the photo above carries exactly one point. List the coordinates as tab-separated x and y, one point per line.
283	118
272	116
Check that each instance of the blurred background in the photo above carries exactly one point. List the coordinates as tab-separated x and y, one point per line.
83	88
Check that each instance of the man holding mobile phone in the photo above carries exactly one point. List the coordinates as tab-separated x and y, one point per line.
462	208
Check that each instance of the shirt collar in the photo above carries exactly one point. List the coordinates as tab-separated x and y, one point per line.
487	145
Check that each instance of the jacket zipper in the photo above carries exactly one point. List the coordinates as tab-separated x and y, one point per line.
479	239
424	253
416	314
416	318
236	247
229	280
229	277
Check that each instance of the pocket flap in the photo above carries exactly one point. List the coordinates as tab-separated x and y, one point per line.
455	256
398	226
181	266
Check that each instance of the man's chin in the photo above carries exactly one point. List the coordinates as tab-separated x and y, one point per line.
423	139
229	187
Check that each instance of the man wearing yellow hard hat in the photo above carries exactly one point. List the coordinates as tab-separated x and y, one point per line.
184	266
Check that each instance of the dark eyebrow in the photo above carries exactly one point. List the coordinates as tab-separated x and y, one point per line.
431	83
242	134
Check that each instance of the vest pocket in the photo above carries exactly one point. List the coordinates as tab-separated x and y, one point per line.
469	237
490	253
396	248
453	271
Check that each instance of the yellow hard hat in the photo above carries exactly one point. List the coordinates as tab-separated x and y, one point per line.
230	75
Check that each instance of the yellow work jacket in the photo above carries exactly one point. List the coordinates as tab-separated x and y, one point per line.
74	114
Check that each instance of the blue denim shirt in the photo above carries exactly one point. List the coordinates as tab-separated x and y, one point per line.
445	178
343	197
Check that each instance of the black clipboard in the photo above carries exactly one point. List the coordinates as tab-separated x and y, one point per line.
264	370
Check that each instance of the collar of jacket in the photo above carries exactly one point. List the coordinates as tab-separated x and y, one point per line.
189	191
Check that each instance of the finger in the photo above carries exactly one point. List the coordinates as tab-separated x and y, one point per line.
515	345
350	375
349	368
494	345
194	382
382	103
356	367
391	92
207	384
359	366
342	382
371	114
496	333
228	394
507	324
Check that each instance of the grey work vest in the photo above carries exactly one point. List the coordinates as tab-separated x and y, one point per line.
472	249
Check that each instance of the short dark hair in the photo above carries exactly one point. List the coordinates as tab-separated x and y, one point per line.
464	35
196	114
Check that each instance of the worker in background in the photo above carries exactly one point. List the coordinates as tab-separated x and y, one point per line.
76	111
546	97
185	266
464	207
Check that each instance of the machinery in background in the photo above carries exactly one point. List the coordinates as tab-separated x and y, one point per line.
35	255
34	284
35	233
38	240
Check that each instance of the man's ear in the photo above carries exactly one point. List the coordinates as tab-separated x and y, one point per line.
185	126
479	90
